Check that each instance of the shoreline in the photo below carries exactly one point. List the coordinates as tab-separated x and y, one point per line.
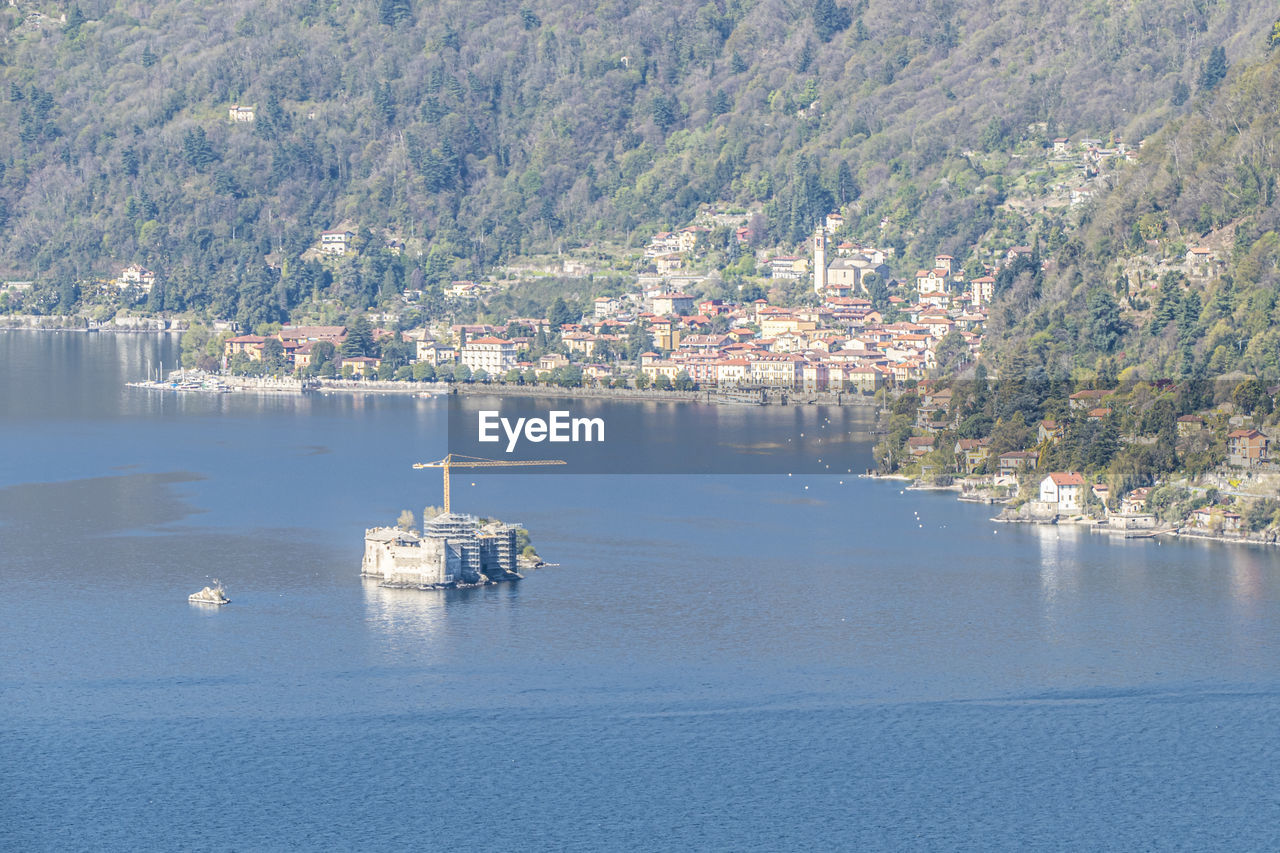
220	383
1093	525
84	325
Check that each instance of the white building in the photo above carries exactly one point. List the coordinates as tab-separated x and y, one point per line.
136	276
335	242
495	356
1063	490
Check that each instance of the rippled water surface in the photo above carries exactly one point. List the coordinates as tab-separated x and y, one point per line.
719	662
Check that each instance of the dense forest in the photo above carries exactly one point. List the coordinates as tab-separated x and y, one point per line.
1116	294
473	132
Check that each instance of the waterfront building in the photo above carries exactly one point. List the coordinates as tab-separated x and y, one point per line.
492	355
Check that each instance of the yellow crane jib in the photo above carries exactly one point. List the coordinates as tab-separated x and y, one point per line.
457	460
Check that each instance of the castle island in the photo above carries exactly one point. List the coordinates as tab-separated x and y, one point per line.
454	551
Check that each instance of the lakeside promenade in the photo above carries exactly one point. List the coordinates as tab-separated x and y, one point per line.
220	383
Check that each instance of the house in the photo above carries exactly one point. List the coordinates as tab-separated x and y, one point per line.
972	453
1049	430
662	243
136	276
1135	503
242	112
668	263
866	378
1215	519
931	281
1133	514
435	353
1199	261
1190	424
335	242
815	375
732	371
983	290
494	356
1009	464
780	324
549	362
605	307
1088	399
1061	146
666	334
464	290
672	303
919	445
361	365
1247	448
250	345
788	267
688	238
781	370
1064	491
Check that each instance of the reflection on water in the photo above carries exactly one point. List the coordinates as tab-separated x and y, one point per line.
1059	575
408	619
1247	580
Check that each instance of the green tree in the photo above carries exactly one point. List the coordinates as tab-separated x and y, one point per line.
560	314
272	355
846	188
1105	327
952	352
359	339
829	19
1213	70
1261	514
393	13
197	150
664	110
639	341
322	353
1248	396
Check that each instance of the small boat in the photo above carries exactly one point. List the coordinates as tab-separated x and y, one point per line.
210	595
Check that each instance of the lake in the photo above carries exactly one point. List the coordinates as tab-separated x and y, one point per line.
720	661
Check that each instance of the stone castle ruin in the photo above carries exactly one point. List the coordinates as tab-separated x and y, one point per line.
455	550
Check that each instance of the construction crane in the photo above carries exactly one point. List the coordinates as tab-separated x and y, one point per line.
456	460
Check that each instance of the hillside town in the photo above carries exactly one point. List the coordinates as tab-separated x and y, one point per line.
857	329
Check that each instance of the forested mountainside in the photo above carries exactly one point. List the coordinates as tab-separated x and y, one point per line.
474	131
1176	272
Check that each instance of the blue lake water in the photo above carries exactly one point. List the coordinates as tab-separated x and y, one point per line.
720	662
